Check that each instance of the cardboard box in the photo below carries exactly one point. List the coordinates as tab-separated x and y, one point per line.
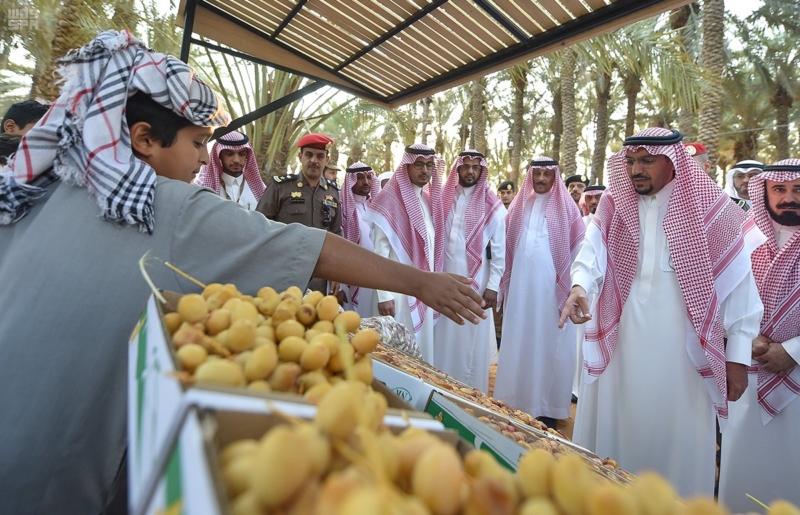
475	432
157	400
189	479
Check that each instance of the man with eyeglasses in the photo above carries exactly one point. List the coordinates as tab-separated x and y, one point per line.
360	188
306	198
662	277
738	179
475	240
408	226
544	228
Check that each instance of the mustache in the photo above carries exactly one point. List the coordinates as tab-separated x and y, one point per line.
639	176
788	205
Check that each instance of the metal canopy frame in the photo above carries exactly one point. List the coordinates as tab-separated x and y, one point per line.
392	52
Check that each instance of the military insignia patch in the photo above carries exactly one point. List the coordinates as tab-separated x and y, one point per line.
297	194
330	201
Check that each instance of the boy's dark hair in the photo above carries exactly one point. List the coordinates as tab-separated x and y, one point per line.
23	113
8	146
164	123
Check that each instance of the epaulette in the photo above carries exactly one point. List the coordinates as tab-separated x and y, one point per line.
284	178
332	184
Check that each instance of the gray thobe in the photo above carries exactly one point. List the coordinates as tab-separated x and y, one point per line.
71	294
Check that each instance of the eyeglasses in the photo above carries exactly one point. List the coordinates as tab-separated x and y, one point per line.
419	165
474	168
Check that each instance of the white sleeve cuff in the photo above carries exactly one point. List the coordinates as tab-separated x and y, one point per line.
384	296
582	278
739	350
793	348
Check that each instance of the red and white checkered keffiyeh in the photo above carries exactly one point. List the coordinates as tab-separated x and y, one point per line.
209	175
84	136
705	232
582	204
397	211
481	211
777	273
564	226
350	225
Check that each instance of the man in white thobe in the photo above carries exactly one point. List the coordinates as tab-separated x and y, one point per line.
544	229
232	171
474	247
761	447
360	187
589	203
407	220
662	277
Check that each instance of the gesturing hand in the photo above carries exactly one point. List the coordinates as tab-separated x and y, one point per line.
452	296
576	307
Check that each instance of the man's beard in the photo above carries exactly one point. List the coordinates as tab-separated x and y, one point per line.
787	218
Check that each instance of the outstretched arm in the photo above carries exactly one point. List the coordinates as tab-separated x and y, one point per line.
348	263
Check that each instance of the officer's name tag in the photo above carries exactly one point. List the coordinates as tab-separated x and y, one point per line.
297	200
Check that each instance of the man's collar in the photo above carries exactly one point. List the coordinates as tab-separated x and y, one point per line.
663	195
776	227
231	180
360	199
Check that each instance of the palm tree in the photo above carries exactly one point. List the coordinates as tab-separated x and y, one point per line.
478	103
632	84
426	118
770	42
745	111
683	22
519	84
77	23
568	156
712	58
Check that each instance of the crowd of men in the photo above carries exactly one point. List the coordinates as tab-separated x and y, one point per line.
662	304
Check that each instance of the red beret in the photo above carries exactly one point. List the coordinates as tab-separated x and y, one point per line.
695	149
320	141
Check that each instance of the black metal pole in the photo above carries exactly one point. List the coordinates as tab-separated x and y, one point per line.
188	28
265	110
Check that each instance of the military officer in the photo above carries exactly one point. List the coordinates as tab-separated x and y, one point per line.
576	184
506	192
306	198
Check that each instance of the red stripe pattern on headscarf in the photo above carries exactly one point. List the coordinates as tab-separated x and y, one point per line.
84	136
705	232
399	205
482	206
209	175
777	273
350	223
565	228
